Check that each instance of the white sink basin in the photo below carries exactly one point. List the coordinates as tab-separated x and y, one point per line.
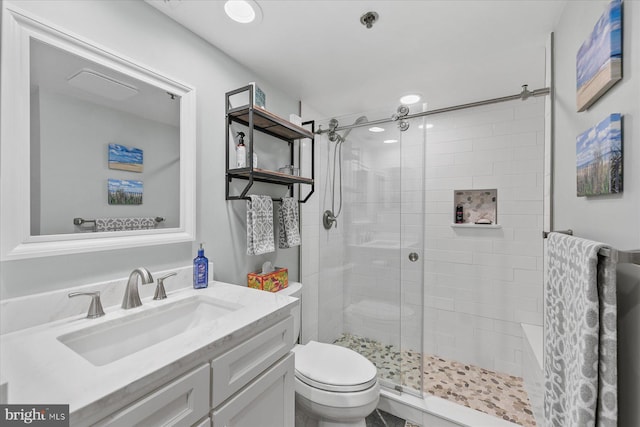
112	340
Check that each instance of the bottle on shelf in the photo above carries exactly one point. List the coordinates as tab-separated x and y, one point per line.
241	152
459	214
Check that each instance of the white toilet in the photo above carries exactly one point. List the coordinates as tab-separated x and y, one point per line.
335	386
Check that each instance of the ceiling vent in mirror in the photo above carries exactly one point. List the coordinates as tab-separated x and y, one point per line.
101	85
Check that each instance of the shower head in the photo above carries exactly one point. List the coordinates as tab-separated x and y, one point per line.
333	124
358	121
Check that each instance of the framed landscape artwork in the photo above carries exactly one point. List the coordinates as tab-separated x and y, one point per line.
599	59
125	158
124	192
599	158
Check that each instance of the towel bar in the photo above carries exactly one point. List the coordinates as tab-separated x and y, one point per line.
624	257
82	221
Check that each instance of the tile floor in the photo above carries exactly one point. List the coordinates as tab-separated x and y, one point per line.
380	418
491	392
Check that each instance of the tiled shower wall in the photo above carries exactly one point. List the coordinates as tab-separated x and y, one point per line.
481	283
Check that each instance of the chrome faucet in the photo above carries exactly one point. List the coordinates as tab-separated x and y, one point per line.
131	296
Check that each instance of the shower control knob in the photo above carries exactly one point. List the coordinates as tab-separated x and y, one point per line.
413	257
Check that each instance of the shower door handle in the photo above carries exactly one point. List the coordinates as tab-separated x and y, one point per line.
413	257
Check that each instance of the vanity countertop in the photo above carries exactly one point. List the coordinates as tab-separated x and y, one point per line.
39	369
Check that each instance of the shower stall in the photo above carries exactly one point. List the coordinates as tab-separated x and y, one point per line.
371	243
436	306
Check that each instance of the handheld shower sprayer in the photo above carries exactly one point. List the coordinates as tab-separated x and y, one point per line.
330	216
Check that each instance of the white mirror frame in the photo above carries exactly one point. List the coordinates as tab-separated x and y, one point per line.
16	242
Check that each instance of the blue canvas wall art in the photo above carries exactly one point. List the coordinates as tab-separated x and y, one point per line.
599	158
599	59
124	192
125	158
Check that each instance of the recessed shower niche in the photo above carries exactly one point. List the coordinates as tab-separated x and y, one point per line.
475	207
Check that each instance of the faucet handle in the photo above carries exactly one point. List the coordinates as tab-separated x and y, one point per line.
160	292
95	308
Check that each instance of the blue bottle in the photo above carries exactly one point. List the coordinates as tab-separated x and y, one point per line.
200	270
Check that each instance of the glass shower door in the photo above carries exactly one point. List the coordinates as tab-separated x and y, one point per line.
363	260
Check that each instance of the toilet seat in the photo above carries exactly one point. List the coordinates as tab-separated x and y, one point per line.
333	368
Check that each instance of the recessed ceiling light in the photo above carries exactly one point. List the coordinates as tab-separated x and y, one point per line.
376	129
409	99
243	11
390	141
429	126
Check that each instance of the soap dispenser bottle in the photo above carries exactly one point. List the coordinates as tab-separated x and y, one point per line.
241	152
200	270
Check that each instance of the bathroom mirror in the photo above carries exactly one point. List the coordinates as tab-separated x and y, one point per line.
97	152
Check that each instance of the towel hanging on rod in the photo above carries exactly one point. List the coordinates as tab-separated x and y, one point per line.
621	257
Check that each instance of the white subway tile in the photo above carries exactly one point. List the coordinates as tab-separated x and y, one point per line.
458	134
450	147
498	142
474	118
521	207
515	127
505	261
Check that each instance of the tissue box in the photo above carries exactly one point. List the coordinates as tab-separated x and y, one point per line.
272	282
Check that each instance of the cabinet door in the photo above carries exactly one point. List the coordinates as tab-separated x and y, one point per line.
268	401
240	365
182	402
204	423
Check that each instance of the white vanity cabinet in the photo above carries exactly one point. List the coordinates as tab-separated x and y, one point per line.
268	401
250	384
181	402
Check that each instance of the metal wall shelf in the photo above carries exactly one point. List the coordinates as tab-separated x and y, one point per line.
259	119
269	123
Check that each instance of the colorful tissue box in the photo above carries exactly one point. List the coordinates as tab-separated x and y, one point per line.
272	282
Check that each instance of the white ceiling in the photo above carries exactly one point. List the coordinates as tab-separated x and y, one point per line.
52	67
451	52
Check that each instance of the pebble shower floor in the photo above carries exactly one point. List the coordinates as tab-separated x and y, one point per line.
491	392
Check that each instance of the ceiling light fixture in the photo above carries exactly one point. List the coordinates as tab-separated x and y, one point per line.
428	126
390	141
409	99
376	129
243	11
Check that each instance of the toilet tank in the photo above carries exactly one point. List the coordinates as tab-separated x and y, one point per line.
294	290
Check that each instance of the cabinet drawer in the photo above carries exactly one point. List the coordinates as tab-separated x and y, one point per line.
234	369
182	402
268	401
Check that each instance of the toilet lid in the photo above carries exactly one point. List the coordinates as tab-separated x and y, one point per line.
333	368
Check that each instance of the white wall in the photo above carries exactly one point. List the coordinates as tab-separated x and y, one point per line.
612	219
136	30
481	283
73	144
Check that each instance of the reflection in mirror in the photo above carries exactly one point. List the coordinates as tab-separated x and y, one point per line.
91	126
97	151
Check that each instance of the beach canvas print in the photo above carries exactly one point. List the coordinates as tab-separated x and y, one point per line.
599	158
124	192
599	59
125	158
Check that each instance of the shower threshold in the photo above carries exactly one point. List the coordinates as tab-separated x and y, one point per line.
494	393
